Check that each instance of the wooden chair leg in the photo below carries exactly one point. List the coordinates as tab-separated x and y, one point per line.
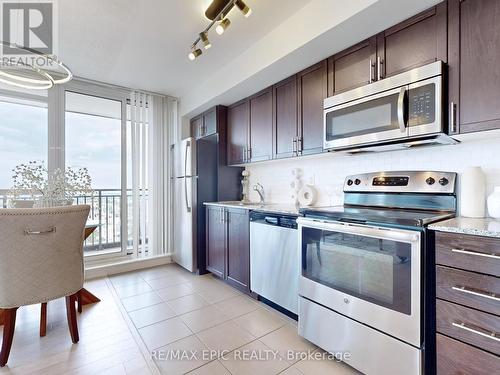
71	314
43	319
8	334
79	301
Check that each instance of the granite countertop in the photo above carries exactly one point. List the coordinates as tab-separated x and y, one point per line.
486	227
280	208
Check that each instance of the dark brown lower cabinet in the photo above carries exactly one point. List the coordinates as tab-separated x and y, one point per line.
457	358
238	248
467	307
216	241
228	245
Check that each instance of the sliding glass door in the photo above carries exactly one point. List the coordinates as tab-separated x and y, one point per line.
94	140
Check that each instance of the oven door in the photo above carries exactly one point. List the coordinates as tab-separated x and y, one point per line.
369	274
371	119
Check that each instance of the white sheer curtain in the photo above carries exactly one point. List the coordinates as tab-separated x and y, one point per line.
152	120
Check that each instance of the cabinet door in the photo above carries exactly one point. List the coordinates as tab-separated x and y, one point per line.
238	248
474	69
237	132
285	118
353	67
261	126
210	122
312	90
196	127
216	240
417	41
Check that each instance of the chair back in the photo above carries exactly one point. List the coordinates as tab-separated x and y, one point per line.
41	253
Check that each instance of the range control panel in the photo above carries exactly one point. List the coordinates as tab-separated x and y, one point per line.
402	182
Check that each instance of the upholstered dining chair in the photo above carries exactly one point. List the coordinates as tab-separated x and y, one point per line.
41	259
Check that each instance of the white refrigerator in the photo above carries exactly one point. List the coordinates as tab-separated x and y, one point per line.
184	199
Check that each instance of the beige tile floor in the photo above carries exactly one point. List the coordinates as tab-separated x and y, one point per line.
215	325
166	311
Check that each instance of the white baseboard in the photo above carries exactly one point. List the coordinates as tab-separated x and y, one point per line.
128	265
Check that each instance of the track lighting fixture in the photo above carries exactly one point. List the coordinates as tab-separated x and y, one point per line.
245	9
204	40
222	26
195	52
217	12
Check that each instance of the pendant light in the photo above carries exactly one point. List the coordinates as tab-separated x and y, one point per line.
31	69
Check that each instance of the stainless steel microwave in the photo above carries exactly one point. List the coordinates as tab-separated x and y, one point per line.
405	109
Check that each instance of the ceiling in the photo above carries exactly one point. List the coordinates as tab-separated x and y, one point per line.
144	44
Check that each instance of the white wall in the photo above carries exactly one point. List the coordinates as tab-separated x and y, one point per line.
328	171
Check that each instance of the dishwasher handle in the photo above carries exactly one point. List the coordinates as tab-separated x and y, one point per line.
272	220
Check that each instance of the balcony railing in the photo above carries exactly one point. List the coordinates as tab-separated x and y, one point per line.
105	210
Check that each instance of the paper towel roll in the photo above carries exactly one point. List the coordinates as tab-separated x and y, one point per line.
307	196
473	193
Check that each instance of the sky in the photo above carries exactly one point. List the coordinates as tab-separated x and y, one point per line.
91	141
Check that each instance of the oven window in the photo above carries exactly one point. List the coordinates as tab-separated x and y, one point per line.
373	116
375	270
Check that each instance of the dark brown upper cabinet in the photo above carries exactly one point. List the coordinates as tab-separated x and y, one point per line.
206	123
197	127
312	90
474	65
285	134
261	126
352	67
415	42
237	132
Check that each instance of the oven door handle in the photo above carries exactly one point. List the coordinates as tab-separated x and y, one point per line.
402	109
362	230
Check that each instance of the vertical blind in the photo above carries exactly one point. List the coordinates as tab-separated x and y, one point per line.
152	124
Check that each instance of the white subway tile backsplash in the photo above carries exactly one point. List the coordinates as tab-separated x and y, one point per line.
326	172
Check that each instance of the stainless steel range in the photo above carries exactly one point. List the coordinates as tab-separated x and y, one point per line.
366	284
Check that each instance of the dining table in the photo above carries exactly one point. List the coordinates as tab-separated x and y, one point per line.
85	297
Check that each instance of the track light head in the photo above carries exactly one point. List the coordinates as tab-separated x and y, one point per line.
195	52
245	9
222	26
204	40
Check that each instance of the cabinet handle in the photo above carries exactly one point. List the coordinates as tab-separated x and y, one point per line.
39	232
476	253
479	293
452	117
478	331
372	67
249	154
299	145
294	143
380	62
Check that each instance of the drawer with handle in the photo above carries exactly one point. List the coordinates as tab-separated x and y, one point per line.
468	325
471	289
455	357
472	253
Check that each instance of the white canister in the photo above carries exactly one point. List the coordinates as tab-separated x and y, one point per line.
473	193
494	203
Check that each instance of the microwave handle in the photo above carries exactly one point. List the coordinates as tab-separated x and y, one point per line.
402	109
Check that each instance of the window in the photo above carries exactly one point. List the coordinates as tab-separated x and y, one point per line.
23	137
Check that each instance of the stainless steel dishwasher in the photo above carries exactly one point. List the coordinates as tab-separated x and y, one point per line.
274	258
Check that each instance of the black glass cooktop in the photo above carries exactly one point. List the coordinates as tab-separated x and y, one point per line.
377	216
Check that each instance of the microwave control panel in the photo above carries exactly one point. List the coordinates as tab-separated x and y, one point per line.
422	105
